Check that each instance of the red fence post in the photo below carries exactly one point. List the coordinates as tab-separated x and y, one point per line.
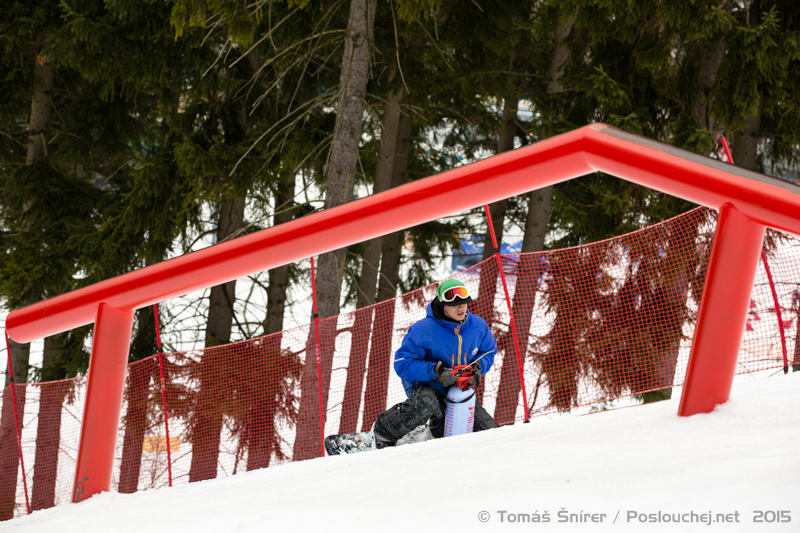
723	312
511	315
319	364
777	312
16	422
106	382
727	150
163	393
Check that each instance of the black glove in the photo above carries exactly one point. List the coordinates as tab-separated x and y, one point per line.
476	375
444	374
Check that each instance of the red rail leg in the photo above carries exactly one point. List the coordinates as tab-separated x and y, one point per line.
723	312
107	369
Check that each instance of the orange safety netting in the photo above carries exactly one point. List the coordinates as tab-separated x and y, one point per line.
595	324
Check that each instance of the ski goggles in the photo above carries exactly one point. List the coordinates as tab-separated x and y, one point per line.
456	292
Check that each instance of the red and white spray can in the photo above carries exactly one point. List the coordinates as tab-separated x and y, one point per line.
460	404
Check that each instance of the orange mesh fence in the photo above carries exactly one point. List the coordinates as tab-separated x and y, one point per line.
595	324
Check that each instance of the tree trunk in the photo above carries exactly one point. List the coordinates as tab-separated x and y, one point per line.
341	168
529	268
340	174
367	285
392	244
48	431
38	129
276	299
674	303
356	366
487	288
745	143
41	106
710	61
9	450
390	132
559	57
48	437
505	143
143	345
709	64
208	418
259	384
279	277
138	396
260	430
536	222
378	370
20	357
539	201
221	300
391	250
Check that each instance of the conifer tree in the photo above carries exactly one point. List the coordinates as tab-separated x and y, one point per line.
47	200
653	70
145	202
293	98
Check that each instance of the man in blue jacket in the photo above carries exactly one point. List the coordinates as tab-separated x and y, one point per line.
447	337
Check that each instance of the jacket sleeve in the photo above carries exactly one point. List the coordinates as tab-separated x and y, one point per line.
410	363
486	351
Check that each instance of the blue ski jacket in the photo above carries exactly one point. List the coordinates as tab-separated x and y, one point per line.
432	340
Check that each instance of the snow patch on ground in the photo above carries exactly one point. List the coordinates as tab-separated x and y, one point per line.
733	463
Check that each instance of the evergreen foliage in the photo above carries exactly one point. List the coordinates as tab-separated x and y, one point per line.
164	111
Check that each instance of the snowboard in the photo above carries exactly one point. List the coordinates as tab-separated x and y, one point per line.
345	443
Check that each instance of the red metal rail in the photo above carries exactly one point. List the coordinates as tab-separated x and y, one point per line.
748	201
762	199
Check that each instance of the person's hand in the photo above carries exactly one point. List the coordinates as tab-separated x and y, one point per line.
476	376
444	374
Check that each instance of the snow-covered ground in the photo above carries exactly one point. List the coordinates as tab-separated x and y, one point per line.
632	469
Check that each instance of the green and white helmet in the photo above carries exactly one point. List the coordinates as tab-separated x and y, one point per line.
453	292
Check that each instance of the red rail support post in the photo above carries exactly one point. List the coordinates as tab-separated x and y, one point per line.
16	423
105	384
318	362
777	312
513	326
163	393
723	312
